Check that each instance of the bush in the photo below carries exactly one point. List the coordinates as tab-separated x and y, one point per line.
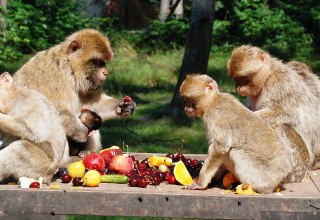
32	25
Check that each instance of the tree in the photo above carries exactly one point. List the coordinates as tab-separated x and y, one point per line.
196	55
4	11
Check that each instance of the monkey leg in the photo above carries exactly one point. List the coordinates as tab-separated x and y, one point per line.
263	174
24	158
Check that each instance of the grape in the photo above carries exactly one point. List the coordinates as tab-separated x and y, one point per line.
62	171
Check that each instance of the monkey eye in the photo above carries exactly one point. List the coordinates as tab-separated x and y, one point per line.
98	63
242	80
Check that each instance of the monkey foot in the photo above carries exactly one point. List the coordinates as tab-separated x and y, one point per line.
195	186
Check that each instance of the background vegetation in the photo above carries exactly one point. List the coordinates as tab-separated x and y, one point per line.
147	61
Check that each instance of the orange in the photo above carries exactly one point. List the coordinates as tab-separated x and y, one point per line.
181	174
157	161
92	178
228	180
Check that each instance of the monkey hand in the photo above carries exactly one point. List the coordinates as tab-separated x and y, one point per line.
84	153
126	107
194	186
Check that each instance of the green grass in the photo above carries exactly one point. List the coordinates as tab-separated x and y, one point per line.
150	80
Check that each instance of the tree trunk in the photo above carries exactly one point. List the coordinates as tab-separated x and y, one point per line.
178	11
198	46
4	11
164	9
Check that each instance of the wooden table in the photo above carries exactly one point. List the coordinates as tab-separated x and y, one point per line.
296	201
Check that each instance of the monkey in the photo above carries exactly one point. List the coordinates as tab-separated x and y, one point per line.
238	139
307	75
34	142
71	75
278	95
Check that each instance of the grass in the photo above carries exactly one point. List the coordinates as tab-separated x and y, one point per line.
150	80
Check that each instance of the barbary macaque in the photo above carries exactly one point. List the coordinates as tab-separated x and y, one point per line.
71	75
278	95
239	140
34	142
307	75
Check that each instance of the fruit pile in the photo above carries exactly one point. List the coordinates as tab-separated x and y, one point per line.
112	166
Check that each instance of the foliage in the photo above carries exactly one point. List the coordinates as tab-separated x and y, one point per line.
32	25
164	35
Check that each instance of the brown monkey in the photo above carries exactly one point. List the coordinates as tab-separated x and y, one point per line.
71	75
34	143
239	140
277	95
307	75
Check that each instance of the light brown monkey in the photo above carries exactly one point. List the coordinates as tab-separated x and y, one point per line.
71	75
307	75
239	140
277	95
34	142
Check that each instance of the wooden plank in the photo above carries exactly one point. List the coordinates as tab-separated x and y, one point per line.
296	201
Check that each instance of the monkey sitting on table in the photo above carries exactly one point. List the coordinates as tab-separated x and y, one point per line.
33	139
239	140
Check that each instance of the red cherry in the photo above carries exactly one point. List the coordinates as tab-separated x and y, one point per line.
66	178
127	99
142	167
170	155
171	179
34	185
142	183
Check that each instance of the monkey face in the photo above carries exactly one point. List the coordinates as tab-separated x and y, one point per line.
96	73
194	108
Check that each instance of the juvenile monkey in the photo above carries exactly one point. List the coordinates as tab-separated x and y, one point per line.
278	96
33	139
71	75
307	75
239	140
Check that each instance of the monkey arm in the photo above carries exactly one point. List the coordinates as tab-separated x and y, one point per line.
74	128
14	127
108	107
210	167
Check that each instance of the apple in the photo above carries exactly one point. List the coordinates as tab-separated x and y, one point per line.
94	161
109	153
121	163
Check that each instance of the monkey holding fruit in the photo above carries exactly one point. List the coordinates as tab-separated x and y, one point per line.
71	75
280	97
239	140
34	143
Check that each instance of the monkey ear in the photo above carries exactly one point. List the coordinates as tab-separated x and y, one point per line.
263	56
6	78
74	46
211	87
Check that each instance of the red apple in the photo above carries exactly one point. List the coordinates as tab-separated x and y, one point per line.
94	161
110	152
121	163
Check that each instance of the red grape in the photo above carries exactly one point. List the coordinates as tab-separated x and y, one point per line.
171	179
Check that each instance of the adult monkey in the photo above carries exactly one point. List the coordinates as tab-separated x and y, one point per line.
278	95
71	75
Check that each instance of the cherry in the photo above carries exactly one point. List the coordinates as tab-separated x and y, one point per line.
166	174
178	157
132	157
156	180
188	162
195	163
77	181
161	175
66	178
142	183
142	167
133	181
145	161
171	179
34	185
153	172
127	99
170	155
